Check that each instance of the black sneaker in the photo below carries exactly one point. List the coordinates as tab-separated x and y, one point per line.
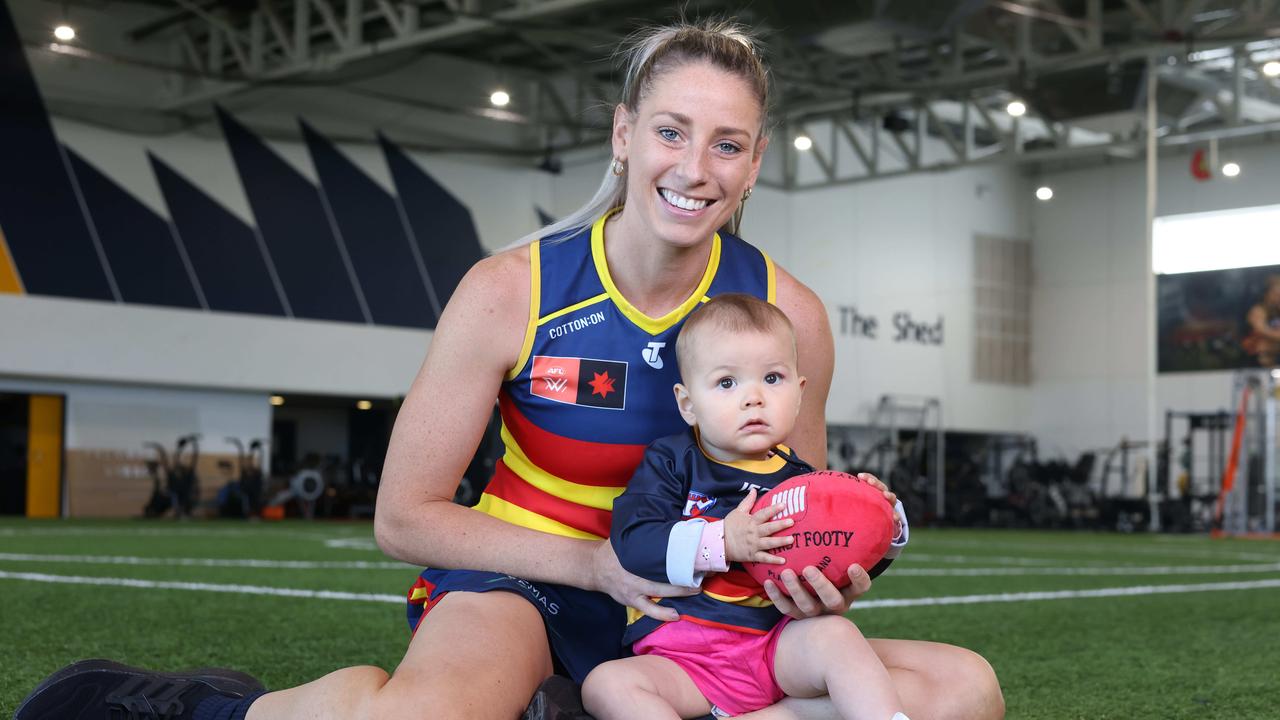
105	689
557	698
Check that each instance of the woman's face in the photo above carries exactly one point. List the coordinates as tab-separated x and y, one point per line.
691	148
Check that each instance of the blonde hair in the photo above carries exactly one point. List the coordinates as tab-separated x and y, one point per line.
735	313
646	55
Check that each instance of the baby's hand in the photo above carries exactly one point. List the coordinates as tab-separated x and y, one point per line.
747	536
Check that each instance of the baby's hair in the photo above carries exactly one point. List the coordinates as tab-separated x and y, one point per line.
735	313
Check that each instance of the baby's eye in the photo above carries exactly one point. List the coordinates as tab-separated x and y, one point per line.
726	383
772	378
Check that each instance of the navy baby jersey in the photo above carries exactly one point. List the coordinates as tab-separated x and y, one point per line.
676	481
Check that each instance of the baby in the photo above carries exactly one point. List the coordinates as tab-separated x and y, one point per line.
687	512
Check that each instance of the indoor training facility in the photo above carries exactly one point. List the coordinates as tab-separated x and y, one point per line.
1046	234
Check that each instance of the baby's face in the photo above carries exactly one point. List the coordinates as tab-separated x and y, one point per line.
742	392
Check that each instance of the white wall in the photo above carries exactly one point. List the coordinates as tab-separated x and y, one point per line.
906	244
1090	349
898	245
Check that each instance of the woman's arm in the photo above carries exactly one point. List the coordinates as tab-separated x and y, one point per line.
816	355
1257	318
477	340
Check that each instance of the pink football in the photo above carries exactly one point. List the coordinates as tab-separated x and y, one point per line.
839	521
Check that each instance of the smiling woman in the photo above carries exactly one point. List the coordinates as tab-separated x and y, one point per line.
554	329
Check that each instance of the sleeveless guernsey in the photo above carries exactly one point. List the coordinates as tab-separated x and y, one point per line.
592	386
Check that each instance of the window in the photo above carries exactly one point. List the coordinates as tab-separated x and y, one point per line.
1244	237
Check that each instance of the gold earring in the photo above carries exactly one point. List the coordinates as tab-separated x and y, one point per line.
746	193
617	167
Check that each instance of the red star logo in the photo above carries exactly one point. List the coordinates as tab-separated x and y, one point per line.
601	384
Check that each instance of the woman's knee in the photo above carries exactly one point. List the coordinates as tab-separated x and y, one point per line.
970	681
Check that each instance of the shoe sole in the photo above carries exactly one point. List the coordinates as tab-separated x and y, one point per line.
226	681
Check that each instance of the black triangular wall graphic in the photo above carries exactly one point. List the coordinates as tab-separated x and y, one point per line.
139	244
390	274
441	226
295	226
224	250
40	216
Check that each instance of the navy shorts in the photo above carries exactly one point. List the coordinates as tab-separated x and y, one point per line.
584	628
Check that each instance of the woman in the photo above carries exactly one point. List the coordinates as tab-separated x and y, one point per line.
571	334
1264	326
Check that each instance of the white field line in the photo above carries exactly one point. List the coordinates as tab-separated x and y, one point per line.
1089	545
1091	571
860	605
1066	594
208	562
997	559
201	587
392	565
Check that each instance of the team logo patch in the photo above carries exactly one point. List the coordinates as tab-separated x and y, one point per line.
580	381
697	503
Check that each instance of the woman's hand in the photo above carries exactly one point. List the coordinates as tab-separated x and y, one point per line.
828	600
748	536
611	578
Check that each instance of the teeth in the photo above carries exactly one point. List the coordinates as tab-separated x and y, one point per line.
683	202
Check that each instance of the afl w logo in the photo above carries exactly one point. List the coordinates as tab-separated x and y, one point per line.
651	356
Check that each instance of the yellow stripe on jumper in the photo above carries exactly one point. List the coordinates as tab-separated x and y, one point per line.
572	308
651	325
10	281
600	498
771	284
516	515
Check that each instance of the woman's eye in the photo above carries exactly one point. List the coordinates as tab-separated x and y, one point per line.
772	378
668	133
729	148
726	383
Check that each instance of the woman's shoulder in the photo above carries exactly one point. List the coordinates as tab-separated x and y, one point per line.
495	289
801	304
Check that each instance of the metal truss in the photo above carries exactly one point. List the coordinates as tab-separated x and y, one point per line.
280	40
883	87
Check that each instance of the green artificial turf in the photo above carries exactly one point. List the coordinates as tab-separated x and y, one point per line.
1177	655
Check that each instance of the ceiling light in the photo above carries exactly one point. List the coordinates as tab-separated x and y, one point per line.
64	33
1231	169
1044	192
803	142
500	98
363	404
277	400
1271	69
1017	108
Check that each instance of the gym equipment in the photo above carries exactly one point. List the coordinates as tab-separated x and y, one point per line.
910	473
1191	479
242	497
175	485
1247	501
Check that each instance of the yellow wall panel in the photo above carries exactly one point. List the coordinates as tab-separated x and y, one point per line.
9	280
44	457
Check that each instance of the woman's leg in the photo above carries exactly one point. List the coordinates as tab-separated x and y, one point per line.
475	655
646	686
935	682
941	682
